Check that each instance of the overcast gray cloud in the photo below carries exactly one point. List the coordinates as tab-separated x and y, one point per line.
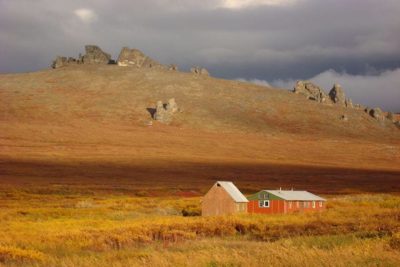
253	39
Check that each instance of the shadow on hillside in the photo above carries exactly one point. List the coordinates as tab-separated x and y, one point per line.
172	175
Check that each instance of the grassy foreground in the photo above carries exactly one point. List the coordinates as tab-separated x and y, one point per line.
46	228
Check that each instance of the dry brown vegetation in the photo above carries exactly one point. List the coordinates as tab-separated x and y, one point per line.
85	182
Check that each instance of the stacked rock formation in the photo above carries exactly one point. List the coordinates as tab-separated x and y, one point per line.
311	91
199	71
337	95
134	57
164	112
94	55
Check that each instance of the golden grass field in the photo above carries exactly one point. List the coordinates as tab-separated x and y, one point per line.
84	181
44	228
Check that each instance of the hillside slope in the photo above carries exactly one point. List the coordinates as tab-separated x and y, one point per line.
99	115
111	94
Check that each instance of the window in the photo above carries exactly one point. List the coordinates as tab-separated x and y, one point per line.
320	204
305	204
298	204
290	204
313	204
263	203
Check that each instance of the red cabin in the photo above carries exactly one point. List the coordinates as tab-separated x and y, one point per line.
284	201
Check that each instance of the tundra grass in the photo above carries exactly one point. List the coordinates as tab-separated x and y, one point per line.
70	229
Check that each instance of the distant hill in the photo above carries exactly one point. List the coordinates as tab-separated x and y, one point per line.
103	113
123	95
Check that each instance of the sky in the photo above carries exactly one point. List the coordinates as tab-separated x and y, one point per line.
355	43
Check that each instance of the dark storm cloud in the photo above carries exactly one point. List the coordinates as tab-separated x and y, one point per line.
266	42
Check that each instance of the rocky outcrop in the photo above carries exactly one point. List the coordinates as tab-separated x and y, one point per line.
59	62
127	57
165	112
94	55
311	91
199	71
134	57
337	95
316	93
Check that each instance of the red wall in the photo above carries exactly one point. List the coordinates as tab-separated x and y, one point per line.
275	206
282	206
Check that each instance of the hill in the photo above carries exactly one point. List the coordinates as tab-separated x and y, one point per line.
92	123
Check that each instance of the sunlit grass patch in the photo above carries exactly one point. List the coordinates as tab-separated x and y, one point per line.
125	230
10	254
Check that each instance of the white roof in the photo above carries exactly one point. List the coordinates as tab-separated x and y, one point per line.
233	191
295	195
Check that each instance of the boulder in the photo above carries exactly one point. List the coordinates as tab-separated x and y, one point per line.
359	106
377	114
390	117
348	103
199	71
71	60
59	62
172	107
94	55
311	91
337	95
164	112
134	57
344	118
173	67
161	113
